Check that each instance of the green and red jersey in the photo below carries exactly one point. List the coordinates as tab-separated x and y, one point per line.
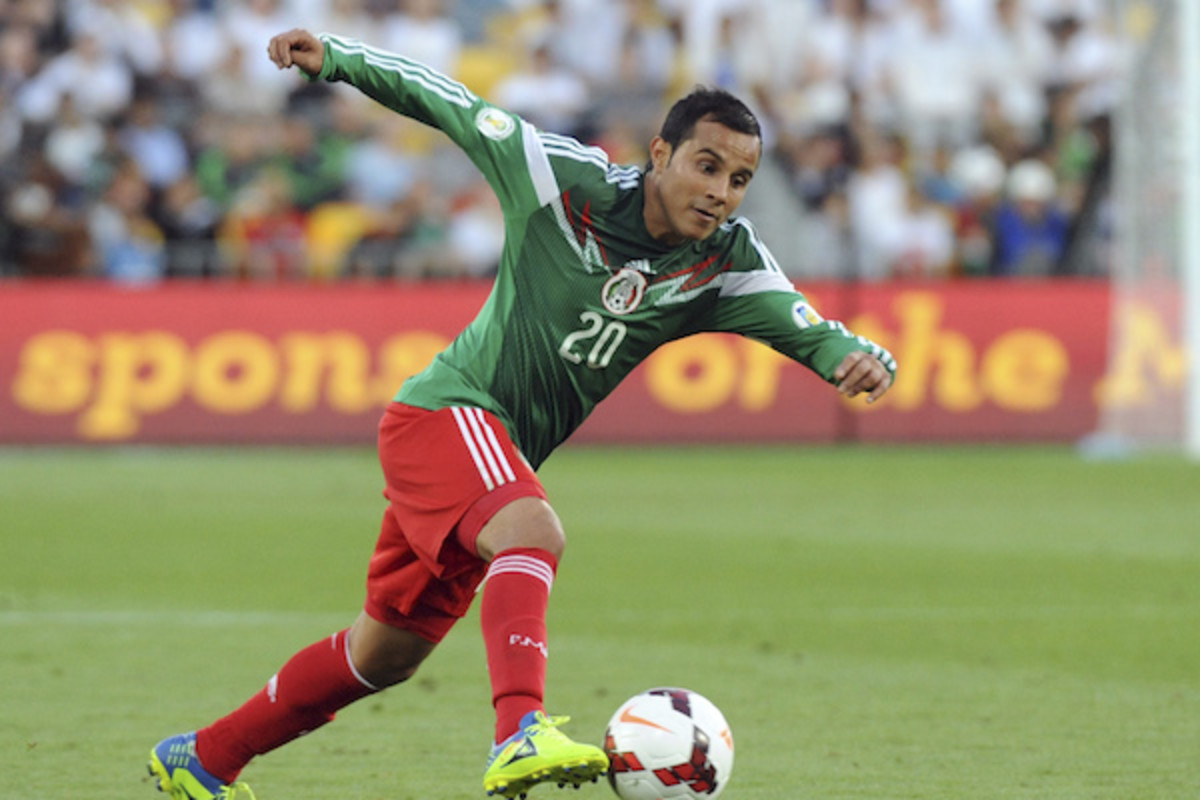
583	293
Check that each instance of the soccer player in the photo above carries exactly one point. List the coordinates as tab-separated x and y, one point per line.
601	265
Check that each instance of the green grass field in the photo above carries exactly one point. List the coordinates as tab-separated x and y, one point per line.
876	623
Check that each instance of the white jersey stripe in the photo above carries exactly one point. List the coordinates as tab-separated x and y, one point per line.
742	283
494	444
763	252
567	144
398	63
624	177
595	162
465	430
538	164
408	70
489	455
576	155
448	89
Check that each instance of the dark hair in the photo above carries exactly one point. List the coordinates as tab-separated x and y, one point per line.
716	104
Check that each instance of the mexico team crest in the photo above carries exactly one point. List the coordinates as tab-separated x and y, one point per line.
623	292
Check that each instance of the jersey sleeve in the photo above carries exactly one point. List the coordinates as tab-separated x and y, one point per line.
499	143
757	300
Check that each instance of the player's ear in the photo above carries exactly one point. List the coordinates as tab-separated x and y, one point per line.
660	153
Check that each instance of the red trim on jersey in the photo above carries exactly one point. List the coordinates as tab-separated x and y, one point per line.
698	278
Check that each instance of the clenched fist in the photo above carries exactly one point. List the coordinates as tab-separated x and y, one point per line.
297	48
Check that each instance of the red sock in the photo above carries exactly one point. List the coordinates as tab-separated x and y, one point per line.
303	696
513	617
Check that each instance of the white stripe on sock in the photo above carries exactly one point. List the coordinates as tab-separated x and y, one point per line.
523	565
354	669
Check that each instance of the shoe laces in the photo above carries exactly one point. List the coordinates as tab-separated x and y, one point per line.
545	723
548	727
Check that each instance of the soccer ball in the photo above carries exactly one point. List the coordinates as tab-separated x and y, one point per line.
668	744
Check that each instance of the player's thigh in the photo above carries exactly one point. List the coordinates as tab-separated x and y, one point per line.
450	474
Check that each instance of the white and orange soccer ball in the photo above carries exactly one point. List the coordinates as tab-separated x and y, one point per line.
668	744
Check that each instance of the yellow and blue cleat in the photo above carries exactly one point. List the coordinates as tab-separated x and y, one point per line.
180	774
539	753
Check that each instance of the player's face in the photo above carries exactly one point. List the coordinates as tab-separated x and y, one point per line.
697	185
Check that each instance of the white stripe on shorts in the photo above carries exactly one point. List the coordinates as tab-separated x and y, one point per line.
490	460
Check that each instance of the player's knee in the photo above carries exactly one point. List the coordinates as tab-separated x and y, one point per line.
384	656
529	522
548	537
396	673
382	668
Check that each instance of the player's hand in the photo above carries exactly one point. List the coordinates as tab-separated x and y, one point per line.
297	48
862	372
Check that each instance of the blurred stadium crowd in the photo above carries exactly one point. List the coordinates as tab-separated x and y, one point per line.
151	139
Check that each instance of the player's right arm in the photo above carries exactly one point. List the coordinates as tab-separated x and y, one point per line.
498	142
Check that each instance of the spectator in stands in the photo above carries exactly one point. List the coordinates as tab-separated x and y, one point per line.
227	89
1014	57
390	248
849	46
1031	229
978	174
1040	78
98	84
818	164
312	162
924	239
46	236
123	28
264	233
159	150
248	25
475	234
877	194
129	247
350	16
232	160
19	57
421	30
74	143
549	95
189	222
626	111
381	168
188	34
935	78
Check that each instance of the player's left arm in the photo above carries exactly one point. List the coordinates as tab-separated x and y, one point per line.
757	300
784	319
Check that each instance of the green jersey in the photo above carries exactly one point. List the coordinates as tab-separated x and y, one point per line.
583	293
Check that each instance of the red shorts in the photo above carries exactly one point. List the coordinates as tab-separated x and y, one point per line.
447	473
